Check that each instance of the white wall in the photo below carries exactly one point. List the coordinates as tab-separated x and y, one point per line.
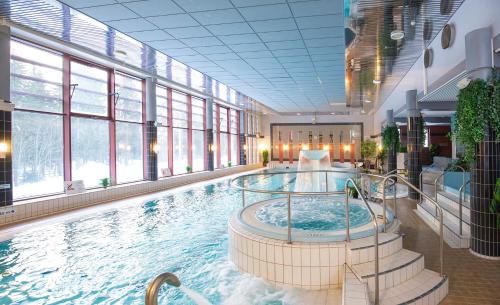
471	15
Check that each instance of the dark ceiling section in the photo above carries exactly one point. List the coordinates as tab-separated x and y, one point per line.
375	62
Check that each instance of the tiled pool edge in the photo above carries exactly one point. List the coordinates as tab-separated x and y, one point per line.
38	208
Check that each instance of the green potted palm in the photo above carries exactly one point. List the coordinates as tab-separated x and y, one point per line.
265	157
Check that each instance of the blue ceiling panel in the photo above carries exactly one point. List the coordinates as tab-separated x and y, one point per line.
149	8
289	55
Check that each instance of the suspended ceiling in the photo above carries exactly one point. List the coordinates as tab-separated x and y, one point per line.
289	55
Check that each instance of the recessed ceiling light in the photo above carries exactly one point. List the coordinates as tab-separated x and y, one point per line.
332	113
397	35
368	101
298	113
376	81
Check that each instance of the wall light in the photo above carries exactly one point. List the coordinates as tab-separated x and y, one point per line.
305	147
347	147
285	147
213	147
379	147
156	148
4	149
245	147
262	146
326	147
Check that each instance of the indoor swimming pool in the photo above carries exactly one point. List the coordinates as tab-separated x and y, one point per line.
110	255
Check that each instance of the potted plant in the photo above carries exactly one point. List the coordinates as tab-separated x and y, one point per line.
189	169
229	164
105	182
265	157
368	151
433	150
381	159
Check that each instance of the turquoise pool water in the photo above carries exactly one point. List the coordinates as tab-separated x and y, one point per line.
109	256
319	214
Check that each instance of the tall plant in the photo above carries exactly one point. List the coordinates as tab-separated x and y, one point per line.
368	149
478	106
390	138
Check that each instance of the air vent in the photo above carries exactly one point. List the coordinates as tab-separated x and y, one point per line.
427	58
446	6
446	36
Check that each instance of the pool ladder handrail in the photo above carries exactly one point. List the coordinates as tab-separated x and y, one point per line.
461	200
155	285
444	173
380	177
375	226
434	202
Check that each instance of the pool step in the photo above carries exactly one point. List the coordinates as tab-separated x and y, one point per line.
451	232
354	291
393	269
363	250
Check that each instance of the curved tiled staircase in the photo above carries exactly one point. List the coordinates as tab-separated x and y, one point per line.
402	276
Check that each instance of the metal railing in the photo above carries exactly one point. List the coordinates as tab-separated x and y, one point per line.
381	177
155	285
434	202
461	199
444	174
288	194
396	171
375	228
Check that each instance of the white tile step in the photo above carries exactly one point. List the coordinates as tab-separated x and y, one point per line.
354	292
450	220
363	250
427	287
393	269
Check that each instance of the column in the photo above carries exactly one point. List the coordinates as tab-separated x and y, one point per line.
392	153
209	108
151	131
243	147
6	109
413	143
485	236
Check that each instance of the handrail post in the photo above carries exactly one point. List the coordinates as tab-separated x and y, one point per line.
243	197
347	234
376	262
154	286
326	180
384	202
460	209
289	218
395	198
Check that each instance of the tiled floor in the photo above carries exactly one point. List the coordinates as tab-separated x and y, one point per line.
472	280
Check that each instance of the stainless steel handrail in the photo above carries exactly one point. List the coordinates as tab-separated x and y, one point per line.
375	226
395	171
461	199
438	208
155	285
442	175
382	177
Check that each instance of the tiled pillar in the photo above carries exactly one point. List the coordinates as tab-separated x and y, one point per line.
485	236
5	120
243	139
209	133
391	152
151	131
413	142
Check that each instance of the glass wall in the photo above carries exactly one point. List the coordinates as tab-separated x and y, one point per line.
233	131
224	137
216	127
129	129
180	116
162	130
37	122
198	133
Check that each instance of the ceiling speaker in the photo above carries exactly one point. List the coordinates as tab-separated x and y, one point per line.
427	58
447	36
427	29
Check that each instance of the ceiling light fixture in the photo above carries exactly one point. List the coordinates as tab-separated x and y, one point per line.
377	81
368	101
298	113
332	113
397	35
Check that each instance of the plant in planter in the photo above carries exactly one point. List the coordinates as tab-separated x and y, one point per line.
478	107
368	151
189	169
495	202
105	182
229	164
381	158
265	157
434	150
390	138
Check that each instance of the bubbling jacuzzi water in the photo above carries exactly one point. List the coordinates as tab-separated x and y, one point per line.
314	213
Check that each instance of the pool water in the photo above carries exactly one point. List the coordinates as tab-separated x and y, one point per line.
110	256
324	213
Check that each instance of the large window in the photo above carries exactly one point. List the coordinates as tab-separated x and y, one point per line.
233	130
198	133
37	135
215	146
129	134
224	137
89	150
89	89
162	130
180	132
